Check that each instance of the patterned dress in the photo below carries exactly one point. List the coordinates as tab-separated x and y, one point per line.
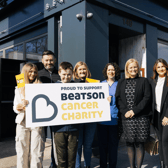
135	129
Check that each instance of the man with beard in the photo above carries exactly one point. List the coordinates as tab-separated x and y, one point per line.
49	74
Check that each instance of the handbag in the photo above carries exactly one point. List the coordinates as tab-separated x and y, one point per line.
152	145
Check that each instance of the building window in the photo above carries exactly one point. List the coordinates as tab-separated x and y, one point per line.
35	48
1	54
14	52
163	50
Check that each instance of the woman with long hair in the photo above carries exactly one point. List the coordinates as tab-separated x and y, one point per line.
108	130
86	131
133	99
159	83
29	141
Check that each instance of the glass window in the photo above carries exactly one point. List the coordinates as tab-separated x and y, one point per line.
163	51
35	48
1	54
15	52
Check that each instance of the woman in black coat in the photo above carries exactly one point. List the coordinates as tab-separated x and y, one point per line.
159	83
133	97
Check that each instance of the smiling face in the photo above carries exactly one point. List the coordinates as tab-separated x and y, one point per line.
32	74
82	72
65	75
48	62
161	69
110	72
133	69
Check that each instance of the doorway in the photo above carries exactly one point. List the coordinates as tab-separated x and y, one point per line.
125	44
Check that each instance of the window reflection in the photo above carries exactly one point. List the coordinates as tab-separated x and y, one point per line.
163	51
1	54
15	52
35	48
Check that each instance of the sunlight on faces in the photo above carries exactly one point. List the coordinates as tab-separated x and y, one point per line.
32	74
133	69
82	71
44	111
110	72
48	62
161	69
65	75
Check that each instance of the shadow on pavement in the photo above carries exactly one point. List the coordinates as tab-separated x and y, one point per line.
7	147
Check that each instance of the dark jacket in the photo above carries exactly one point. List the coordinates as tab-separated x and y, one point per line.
79	81
164	102
142	98
47	77
65	128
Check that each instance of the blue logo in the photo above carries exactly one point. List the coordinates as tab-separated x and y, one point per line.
34	119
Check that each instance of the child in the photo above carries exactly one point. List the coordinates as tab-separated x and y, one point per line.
29	141
66	136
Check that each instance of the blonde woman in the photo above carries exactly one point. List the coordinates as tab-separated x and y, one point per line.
133	99
81	72
87	130
29	141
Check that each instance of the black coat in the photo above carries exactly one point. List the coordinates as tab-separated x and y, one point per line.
47	77
164	101
142	98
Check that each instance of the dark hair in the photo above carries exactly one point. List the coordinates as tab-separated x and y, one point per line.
48	52
117	70
65	66
155	74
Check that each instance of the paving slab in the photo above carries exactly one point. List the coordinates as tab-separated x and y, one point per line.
8	156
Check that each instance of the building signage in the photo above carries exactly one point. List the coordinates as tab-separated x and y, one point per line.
126	23
61	104
53	6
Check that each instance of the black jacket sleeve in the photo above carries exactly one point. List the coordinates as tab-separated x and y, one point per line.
146	100
119	103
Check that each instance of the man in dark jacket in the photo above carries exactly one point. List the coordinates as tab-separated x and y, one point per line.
49	74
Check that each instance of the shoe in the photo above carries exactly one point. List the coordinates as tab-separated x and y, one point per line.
87	166
162	164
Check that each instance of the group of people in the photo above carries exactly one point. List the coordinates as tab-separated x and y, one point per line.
135	103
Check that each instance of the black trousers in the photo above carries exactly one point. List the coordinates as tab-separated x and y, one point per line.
66	148
108	144
162	133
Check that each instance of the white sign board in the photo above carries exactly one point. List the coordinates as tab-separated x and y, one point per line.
66	103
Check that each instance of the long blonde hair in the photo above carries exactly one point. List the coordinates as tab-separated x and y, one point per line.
131	60
25	70
78	64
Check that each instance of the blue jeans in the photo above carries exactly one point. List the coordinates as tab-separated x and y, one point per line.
86	136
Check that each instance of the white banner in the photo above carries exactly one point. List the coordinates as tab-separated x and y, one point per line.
66	103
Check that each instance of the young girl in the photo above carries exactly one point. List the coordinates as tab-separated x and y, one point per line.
29	141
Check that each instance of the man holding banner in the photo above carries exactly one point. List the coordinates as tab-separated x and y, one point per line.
49	74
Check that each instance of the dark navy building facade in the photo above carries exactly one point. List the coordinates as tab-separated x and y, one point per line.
93	31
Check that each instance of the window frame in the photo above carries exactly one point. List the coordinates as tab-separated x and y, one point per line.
24	45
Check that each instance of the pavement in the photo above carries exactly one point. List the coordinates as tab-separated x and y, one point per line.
8	156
